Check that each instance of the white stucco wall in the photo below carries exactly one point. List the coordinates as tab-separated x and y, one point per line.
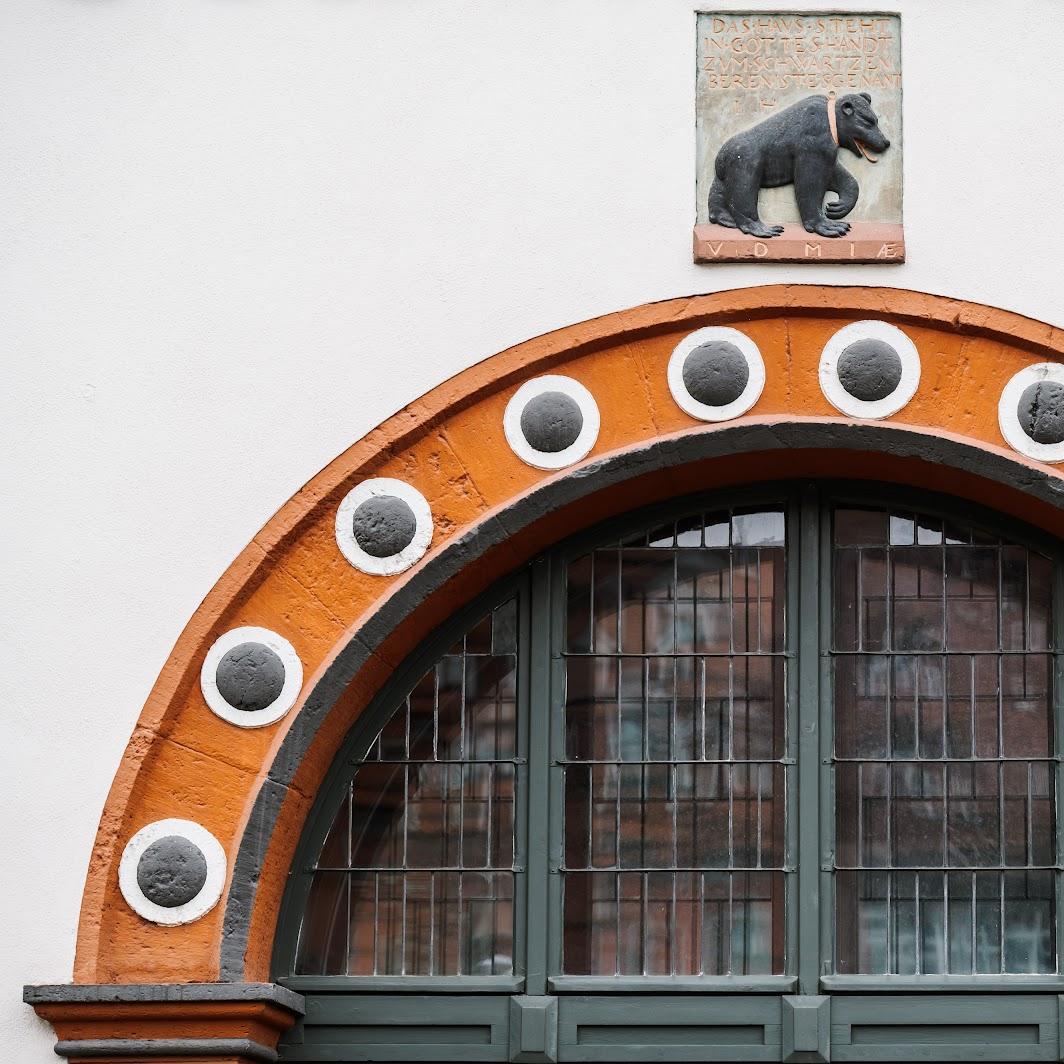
235	237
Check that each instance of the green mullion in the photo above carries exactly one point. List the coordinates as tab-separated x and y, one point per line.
826	629
792	630
539	894
402	984
525	694
552	929
1057	703
689	984
808	913
950	984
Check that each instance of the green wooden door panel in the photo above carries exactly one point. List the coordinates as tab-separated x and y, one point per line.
401	1028
998	1027
645	1028
622	1028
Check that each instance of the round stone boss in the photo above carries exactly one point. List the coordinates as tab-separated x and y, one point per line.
1031	412
1041	412
172	872
716	373
251	677
551	422
869	369
383	526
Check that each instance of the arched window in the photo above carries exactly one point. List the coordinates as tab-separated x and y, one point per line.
789	742
416	875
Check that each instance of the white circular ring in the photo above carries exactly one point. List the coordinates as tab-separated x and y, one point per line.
744	401
1008	417
579	448
253	718
870	409
393	563
209	893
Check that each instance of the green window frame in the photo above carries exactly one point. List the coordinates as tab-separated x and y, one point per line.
538	1012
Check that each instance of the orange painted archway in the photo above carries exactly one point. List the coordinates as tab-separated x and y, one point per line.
492	512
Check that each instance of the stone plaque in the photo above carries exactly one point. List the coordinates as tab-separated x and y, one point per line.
799	137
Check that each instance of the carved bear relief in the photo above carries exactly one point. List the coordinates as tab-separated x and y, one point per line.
799	146
799	137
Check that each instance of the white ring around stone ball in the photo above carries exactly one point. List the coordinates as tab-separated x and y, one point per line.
1008	418
394	563
872	409
579	448
754	385
253	718
209	893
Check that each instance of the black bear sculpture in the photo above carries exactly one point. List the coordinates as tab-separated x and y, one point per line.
800	146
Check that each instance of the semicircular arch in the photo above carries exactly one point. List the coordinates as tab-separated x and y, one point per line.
492	511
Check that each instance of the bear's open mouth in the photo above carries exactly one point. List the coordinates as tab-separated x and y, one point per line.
862	148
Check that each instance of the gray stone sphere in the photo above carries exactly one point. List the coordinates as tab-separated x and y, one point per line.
1041	412
250	677
384	525
551	422
869	369
171	871
716	373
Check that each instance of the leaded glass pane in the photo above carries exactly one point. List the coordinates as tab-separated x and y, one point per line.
416	875
674	780
944	770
